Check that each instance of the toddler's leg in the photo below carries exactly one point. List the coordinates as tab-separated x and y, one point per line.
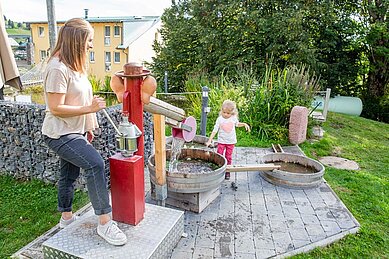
229	150
221	148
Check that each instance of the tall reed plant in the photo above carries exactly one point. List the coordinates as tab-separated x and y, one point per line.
270	102
264	102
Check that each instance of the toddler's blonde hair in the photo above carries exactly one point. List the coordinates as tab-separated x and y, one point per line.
230	106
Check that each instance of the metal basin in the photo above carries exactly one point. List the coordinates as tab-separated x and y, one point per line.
197	142
298	178
193	182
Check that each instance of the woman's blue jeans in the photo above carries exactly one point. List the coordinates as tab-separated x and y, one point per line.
76	152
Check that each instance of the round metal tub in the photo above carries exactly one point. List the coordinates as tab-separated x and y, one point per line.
293	179
197	142
192	183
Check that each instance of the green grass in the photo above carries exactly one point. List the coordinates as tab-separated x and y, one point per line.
28	209
18	32
365	192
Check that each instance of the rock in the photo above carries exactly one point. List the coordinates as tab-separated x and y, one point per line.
339	163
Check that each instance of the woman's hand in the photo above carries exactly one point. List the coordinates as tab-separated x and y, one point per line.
90	136
98	103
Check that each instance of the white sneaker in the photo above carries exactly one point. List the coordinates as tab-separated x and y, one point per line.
66	222
111	233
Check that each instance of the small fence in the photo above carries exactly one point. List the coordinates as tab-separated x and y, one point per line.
25	155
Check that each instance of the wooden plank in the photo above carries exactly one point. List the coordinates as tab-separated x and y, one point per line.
160	107
255	167
160	149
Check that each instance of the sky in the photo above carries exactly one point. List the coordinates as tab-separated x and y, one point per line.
36	10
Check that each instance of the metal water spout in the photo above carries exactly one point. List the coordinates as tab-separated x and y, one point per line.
127	134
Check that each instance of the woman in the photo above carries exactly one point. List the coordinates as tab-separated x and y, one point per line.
69	123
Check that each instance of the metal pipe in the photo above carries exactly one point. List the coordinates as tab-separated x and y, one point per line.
111	121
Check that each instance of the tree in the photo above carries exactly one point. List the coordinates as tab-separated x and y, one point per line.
376	97
218	35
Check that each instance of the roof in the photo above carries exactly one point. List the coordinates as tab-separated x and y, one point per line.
132	30
13	42
110	19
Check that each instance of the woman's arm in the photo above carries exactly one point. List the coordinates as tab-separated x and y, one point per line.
57	106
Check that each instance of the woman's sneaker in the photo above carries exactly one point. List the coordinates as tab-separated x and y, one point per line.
66	222
111	233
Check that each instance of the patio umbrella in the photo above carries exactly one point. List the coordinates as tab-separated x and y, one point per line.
9	73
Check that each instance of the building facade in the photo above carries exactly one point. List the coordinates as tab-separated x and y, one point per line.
117	41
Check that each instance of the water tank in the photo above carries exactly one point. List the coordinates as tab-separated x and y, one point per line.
340	104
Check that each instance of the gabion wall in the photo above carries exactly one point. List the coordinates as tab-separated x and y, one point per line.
23	154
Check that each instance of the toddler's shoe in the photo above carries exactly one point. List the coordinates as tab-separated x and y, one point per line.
111	233
227	176
66	222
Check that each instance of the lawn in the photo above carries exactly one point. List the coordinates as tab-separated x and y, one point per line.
365	192
28	209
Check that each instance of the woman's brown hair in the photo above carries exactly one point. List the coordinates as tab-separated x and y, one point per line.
71	42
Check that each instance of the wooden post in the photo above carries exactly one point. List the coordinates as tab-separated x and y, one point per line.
160	149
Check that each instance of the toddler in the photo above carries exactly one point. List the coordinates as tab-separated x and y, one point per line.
225	125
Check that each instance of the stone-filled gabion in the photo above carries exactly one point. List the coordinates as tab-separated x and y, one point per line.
23	154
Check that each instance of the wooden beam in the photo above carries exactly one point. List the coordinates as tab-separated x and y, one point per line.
255	167
160	149
160	107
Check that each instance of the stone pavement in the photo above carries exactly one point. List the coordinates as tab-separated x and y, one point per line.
261	220
257	220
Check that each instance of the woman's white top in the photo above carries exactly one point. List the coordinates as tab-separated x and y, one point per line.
58	78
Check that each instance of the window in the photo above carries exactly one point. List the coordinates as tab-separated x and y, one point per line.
116	30
116	57
92	56
41	31
107	35
107	61
107	32
107	41
107	57
43	54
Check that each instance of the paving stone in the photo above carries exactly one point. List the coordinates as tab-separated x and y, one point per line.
301	243
272	199
245	245
259	209
274	209
203	253
181	255
285	203
290	212
306	209
315	230
310	219
282	242
244	256
295	223
299	234
285	195
261	230
330	227
265	242
224	250
278	226
257	198
264	253
346	224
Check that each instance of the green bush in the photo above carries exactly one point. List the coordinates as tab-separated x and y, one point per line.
264	104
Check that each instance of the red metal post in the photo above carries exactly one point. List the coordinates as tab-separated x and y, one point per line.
127	173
